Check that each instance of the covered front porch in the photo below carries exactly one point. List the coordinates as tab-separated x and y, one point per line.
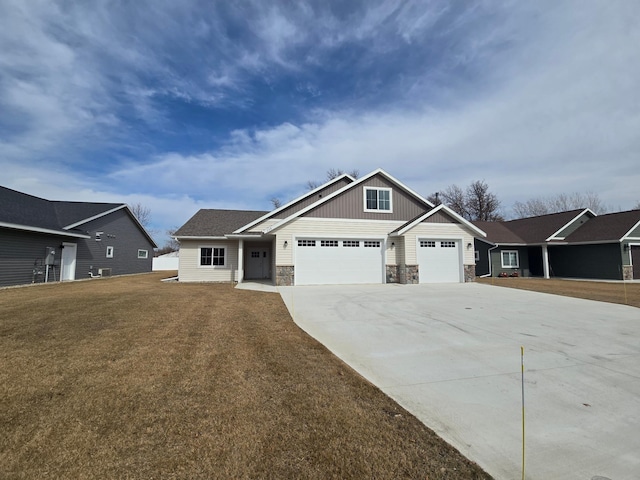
256	259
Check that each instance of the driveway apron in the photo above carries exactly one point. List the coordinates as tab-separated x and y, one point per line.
450	354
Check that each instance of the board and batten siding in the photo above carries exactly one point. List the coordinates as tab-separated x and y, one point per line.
305	202
350	204
444	231
331	228
190	270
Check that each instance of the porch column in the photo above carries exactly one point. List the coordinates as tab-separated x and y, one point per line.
545	261
240	260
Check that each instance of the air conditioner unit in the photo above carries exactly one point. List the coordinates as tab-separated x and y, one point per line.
104	272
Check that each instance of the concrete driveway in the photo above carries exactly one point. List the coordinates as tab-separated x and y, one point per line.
450	354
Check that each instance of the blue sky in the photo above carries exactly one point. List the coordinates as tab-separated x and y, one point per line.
214	104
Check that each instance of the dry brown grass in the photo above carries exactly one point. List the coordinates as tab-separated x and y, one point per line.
627	293
132	378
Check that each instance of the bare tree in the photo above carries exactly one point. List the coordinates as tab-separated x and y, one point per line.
331	174
481	204
142	213
454	198
637	207
275	201
560	203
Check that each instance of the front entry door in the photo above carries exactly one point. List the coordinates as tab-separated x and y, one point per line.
258	263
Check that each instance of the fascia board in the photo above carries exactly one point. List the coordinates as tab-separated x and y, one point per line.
292	202
637	224
200	237
74	225
28	228
574	219
344	189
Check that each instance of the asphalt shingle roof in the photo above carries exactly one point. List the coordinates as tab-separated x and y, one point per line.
611	226
217	223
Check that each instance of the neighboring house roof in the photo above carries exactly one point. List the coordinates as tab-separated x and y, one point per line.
608	227
27	212
530	230
217	223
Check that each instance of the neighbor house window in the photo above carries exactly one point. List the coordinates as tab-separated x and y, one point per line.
143	254
213	256
377	200
510	259
109	252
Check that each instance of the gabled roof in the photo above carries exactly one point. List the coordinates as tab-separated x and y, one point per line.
379	171
217	223
530	230
608	227
300	199
26	212
401	230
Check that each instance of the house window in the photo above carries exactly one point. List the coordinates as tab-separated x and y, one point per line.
213	256
377	200
477	256
306	243
143	254
351	243
109	252
510	259
328	243
372	243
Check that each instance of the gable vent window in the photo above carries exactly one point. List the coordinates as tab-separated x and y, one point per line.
378	200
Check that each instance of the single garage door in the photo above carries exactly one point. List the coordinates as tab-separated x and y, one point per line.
338	261
439	261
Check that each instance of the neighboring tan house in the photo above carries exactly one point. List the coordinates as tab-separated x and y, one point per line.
45	240
371	230
573	244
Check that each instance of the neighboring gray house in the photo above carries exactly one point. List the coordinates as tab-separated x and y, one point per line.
371	230
573	244
45	240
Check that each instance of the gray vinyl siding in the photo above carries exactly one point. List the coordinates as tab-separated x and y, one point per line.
586	261
635	233
120	232
482	265
574	226
312	199
20	251
350	204
523	259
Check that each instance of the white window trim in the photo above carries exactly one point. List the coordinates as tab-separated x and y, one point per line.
110	251
477	255
517	265
145	253
377	189
214	267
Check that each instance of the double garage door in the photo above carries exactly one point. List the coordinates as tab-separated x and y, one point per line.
339	261
353	261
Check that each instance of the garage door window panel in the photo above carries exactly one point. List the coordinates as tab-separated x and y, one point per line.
510	259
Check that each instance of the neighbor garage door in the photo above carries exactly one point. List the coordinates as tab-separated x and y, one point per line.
439	261
635	259
338	261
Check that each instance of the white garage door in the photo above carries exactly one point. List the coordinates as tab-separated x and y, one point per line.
338	261
439	261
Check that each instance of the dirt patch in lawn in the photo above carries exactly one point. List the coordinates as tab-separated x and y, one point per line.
626	293
133	378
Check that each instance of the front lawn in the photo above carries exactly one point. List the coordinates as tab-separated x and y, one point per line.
129	377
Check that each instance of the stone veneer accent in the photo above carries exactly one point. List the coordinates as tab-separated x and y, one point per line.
627	272
469	273
409	274
284	275
392	274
